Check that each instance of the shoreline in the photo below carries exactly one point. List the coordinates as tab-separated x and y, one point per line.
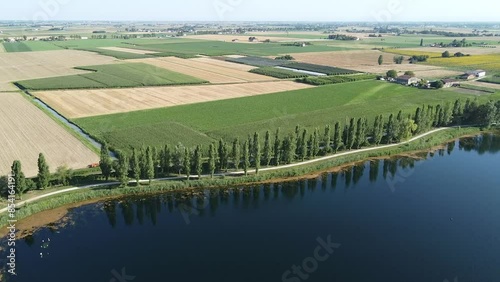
39	218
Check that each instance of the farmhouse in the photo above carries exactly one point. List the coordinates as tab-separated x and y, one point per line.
467	76
477	73
450	83
406	80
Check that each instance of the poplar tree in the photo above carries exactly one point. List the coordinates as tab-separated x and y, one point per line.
327	139
43	172
378	130
256	151
19	179
236	153
187	163
337	137
121	168
277	148
198	161
267	149
303	146
212	159
351	134
246	158
150	169
105	163
135	166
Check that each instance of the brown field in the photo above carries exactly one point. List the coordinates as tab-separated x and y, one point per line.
85	103
31	65
26	131
467	50
128	50
207	69
367	61
242	38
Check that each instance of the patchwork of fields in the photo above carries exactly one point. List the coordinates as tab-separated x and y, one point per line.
128	50
367	61
240	117
26	131
214	71
85	103
31	65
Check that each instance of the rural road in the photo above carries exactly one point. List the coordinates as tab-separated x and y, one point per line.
236	172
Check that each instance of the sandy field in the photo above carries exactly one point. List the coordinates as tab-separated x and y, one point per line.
31	65
211	70
129	50
367	61
26	131
242	38
85	103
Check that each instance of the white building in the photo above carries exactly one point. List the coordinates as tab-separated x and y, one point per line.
477	73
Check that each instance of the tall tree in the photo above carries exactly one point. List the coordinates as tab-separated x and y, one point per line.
447	114
360	138
19	179
121	168
43	172
150	169
223	155
267	149
178	158
303	146
378	130
457	112
187	163
135	166
212	159
236	153
380	60
166	160
277	147
327	139
351	134
337	137
246	158
105	163
198	161
256	151
316	140
422	42
391	129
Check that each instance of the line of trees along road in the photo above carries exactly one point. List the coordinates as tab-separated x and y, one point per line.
355	133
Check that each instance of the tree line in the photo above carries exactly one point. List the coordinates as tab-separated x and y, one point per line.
273	148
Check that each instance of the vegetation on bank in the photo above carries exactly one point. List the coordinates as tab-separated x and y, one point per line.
165	186
113	76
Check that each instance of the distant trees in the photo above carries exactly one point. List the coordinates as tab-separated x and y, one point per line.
422	42
392	74
445	54
380	60
398	60
410	73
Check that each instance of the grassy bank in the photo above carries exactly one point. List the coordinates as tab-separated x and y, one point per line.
159	187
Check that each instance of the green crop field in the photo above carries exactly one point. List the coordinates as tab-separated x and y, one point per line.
113	76
278	73
205	122
28	46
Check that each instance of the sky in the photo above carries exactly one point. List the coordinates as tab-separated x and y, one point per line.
252	10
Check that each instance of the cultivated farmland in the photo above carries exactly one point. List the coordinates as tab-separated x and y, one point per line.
128	50
313	107
113	76
207	69
31	65
85	103
26	131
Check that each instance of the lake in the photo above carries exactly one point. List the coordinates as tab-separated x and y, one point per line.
431	218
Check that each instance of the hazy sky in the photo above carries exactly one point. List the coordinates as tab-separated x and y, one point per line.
252	10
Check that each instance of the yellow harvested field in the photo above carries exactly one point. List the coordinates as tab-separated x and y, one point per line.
7	86
129	50
26	131
467	50
207	69
242	38
30	65
85	103
367	61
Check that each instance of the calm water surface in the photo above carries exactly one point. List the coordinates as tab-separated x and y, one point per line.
434	219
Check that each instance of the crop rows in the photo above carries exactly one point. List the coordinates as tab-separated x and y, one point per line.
278	73
324	80
113	76
320	69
